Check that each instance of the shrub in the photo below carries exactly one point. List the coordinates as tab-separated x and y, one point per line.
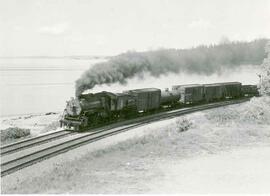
14	133
265	74
183	124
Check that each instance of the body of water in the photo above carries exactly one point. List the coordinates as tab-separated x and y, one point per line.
35	85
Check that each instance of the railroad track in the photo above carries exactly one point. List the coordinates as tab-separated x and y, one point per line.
27	143
16	163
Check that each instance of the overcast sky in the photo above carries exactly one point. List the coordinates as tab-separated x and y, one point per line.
108	27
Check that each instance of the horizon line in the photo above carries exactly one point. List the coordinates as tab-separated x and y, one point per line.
55	56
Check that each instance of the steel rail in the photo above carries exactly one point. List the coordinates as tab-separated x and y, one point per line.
29	159
27	143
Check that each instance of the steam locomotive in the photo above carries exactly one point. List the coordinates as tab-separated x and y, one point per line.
89	110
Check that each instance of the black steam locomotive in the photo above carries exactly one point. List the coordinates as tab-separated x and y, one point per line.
88	110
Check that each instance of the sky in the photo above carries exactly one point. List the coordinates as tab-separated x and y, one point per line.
110	27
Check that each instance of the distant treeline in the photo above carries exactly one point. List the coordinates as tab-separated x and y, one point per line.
200	60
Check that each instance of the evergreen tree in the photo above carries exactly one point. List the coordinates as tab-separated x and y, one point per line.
265	75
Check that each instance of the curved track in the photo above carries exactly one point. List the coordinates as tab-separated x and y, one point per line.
27	143
15	163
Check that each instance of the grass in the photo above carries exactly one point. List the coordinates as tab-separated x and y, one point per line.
13	133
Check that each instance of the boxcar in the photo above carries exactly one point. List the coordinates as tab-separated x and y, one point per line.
192	93
232	89
213	92
249	90
147	98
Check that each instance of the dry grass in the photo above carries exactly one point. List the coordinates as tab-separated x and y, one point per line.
13	133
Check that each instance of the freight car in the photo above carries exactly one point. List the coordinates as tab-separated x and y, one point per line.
231	89
146	99
88	110
213	92
248	90
191	93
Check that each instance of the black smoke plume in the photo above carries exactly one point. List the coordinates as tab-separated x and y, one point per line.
200	60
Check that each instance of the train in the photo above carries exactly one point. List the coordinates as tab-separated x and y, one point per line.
93	109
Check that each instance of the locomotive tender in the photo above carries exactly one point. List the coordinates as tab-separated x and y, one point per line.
88	110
